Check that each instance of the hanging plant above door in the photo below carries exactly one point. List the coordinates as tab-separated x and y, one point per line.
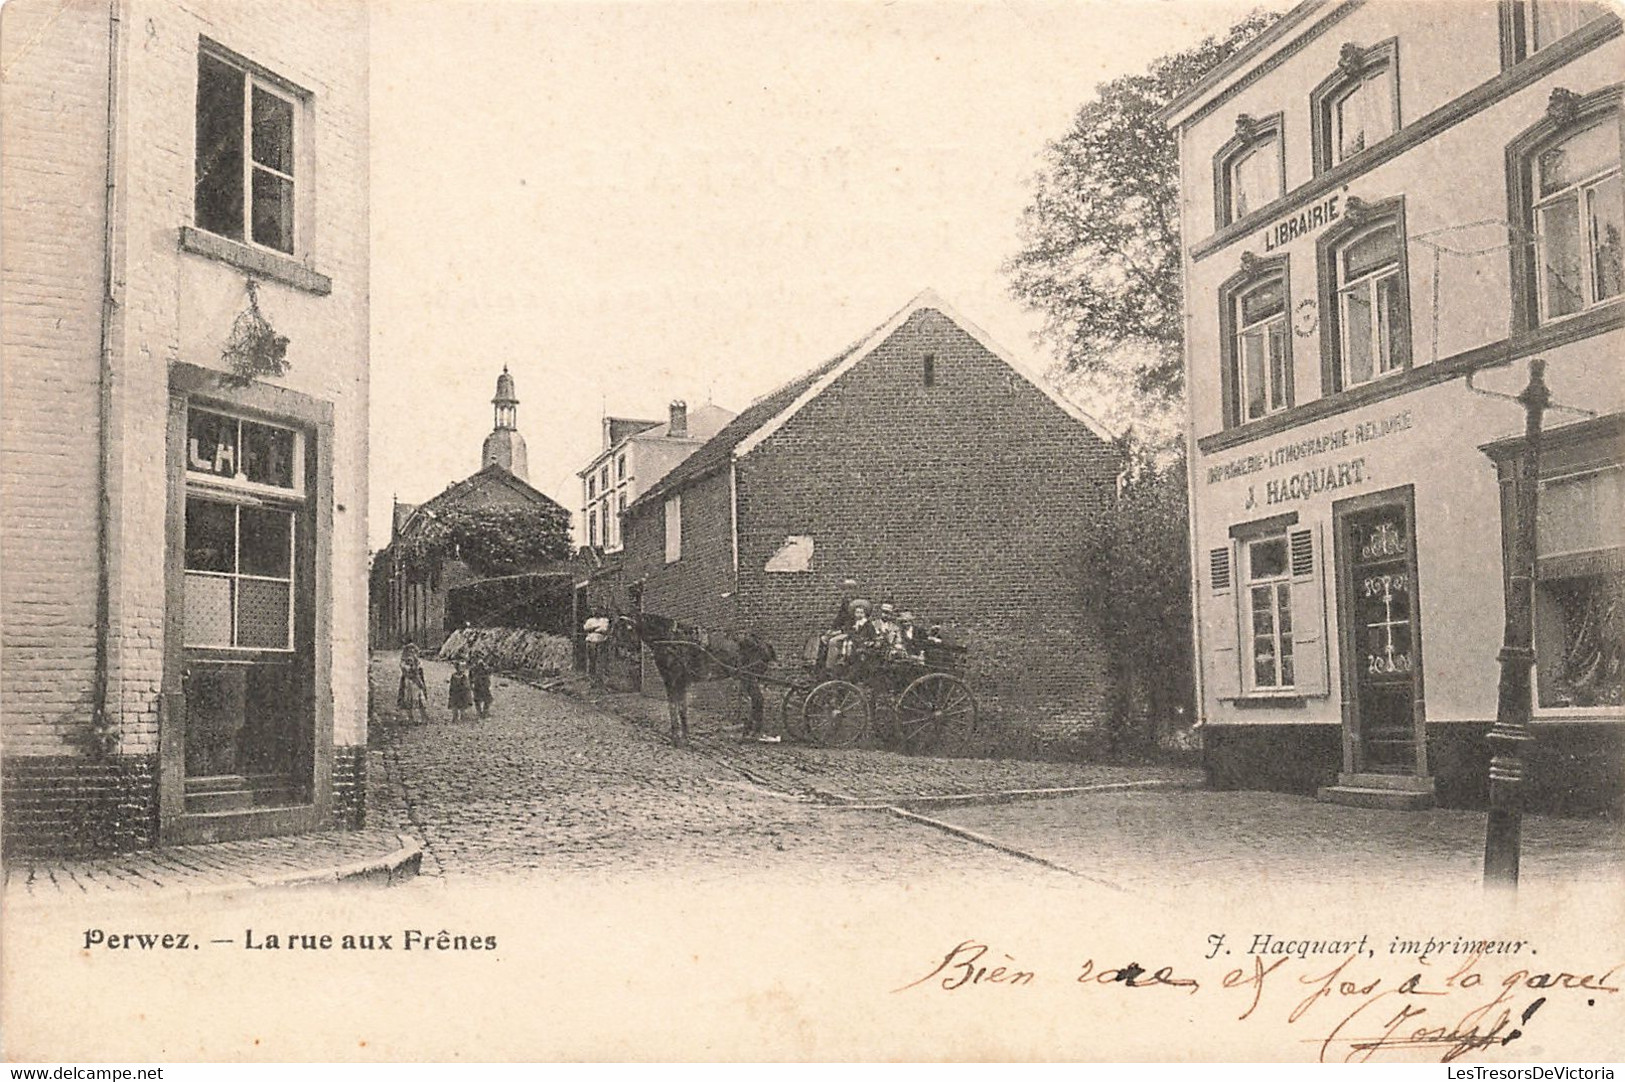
254	349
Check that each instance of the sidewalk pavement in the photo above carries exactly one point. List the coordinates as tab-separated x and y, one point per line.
383	857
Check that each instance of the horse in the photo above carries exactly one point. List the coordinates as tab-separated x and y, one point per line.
686	655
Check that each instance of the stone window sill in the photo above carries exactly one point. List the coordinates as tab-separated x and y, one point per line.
1267	702
257	261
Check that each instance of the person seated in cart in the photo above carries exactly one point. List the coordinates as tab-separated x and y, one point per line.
910	642
832	643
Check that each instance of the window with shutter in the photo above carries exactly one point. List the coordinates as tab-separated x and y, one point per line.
1308	612
1219	627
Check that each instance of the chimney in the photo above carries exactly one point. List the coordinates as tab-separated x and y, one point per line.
678	429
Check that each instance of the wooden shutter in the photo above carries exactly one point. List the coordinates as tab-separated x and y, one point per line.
1308	611
1218	603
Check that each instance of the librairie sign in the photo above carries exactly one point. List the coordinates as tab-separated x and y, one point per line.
1301	224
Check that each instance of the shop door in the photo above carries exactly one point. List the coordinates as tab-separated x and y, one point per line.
246	662
1383	707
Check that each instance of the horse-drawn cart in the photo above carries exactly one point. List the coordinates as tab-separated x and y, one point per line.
922	699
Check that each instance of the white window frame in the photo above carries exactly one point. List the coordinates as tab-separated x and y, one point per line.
1385	362
239	492
674	527
1377	73
1282	641
1261	327
1270	141
1582	191
254	80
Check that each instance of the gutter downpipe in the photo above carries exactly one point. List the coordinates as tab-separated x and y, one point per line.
1194	578
104	738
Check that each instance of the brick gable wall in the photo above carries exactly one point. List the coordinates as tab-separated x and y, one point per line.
964	502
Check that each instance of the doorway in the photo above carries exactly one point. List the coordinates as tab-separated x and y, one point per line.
1380	638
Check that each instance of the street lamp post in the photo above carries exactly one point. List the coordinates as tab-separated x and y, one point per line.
1509	735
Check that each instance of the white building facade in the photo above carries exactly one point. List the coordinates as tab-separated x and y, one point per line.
1383	203
185	313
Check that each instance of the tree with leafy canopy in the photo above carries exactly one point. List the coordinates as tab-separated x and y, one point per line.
1138	554
497	541
1100	240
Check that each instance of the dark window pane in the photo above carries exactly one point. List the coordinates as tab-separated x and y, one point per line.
1268	558
1365	254
273	211
273	131
265	538
1267	300
211	443
211	530
268	455
1607	215
218	204
1579	157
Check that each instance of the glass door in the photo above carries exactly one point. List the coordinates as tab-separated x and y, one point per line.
1380	640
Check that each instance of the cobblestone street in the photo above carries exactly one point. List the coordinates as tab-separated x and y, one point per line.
586	784
549	783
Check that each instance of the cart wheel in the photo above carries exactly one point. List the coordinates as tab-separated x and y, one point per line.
937	712
836	714
790	712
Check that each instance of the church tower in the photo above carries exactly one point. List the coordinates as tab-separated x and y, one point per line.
505	447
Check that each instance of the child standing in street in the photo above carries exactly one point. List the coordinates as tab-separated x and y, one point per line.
480	676
413	696
462	695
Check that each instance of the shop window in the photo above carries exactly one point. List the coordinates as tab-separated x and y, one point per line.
1566	200
1257	344
674	528
246	154
1249	171
1263	619
1365	295
239	575
1528	26
1357	106
1579	589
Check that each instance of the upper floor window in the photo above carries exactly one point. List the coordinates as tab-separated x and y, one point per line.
592	528
1578	220
592	487
1369	327
1527	26
246	151
1357	106
1250	169
1567	202
1257	362
620	467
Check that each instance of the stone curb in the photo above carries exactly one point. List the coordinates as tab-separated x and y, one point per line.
1003	796
1001	847
403	863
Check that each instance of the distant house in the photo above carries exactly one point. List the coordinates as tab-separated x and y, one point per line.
636	456
921	462
421	604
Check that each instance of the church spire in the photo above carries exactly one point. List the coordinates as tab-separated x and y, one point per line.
505	447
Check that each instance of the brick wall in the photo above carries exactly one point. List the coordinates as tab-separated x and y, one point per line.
53	128
963	501
349	787
65	805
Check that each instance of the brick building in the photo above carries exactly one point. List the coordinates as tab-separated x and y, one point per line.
417	603
1383	206
184	536
922	463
